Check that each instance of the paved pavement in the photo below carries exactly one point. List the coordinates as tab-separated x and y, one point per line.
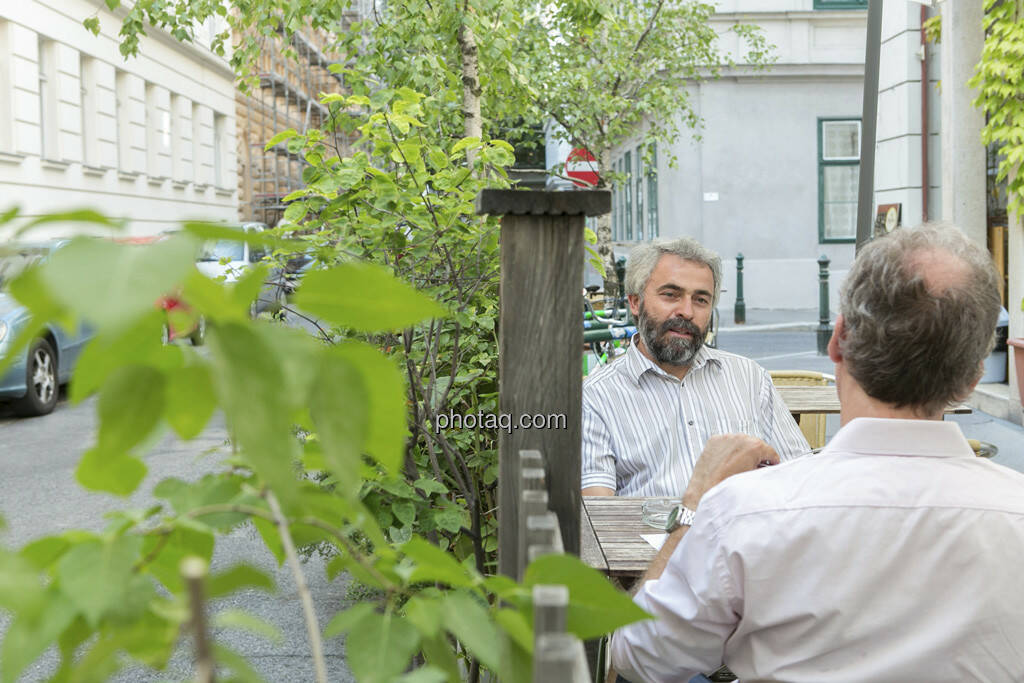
39	496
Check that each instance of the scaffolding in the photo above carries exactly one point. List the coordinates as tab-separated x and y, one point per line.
287	97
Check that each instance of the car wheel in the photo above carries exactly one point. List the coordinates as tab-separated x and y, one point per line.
198	336
41	380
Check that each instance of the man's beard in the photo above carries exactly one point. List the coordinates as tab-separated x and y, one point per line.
667	348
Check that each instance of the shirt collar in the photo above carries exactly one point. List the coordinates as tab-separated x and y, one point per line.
636	363
889	436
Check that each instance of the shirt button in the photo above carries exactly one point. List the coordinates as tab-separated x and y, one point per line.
690	423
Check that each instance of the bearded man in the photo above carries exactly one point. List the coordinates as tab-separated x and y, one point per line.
648	415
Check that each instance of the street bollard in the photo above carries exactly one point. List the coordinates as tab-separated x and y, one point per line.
740	310
824	328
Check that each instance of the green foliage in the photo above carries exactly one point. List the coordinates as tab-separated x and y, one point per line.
1000	85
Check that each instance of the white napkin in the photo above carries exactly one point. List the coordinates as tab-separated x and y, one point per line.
656	540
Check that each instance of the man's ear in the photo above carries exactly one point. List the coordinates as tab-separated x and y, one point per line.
634	304
833	344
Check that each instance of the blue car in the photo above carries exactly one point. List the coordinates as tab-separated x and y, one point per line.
33	382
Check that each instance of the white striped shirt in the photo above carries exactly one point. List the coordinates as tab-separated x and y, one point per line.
643	429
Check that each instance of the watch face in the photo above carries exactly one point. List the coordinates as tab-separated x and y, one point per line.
673	518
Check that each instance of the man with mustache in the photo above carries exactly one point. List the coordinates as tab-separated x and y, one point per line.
648	415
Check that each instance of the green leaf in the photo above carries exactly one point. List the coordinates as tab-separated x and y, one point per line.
425	614
430	486
28	637
381	647
405	512
339	296
427	674
244	369
348	619
339	410
517	627
99	470
295	212
20	585
78	216
466	143
137	344
41	553
242	620
386	428
450	519
190	400
239	576
469	621
95	574
89	276
236	663
437	651
595	606
213	232
131	403
435	565
281	137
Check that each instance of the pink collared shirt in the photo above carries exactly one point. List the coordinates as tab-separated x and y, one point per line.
893	555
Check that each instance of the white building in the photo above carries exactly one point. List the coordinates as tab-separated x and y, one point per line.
150	139
774	175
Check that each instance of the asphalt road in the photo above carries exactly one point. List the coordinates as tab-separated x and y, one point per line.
39	496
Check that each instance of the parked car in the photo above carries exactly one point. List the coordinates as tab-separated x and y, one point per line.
33	382
229	258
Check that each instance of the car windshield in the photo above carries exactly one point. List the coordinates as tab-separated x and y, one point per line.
14	260
224	249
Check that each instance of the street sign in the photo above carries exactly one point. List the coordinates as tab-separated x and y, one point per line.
582	168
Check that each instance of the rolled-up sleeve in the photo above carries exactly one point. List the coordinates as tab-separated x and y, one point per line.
695	605
782	430
597	455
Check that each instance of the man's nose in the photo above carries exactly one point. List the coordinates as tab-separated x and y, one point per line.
685	308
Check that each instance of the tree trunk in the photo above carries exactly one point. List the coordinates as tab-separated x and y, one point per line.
604	229
472	119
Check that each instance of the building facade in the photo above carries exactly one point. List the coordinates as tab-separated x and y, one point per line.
774	172
150	139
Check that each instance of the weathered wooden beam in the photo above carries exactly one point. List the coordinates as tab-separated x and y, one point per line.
540	345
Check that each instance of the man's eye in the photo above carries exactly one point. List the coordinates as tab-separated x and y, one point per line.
703	300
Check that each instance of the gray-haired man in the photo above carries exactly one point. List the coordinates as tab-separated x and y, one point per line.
648	415
885	557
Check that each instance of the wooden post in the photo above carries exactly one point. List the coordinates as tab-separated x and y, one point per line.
540	347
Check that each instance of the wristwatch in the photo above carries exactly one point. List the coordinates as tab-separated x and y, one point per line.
679	516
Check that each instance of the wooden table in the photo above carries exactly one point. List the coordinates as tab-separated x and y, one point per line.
825	400
610	535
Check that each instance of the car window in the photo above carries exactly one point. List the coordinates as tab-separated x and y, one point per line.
14	260
232	251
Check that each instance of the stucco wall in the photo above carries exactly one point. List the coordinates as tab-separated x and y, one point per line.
137	139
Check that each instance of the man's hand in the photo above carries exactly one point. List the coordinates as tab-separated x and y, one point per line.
723	456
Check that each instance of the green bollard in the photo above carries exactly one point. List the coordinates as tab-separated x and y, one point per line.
824	328
740	310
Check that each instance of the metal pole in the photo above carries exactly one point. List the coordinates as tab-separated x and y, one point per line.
740	310
869	115
824	328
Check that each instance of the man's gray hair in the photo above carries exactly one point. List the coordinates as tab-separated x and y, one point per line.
644	257
912	339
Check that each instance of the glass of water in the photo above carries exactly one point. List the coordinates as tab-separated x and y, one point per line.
655	511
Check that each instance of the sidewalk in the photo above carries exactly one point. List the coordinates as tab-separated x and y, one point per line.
770	319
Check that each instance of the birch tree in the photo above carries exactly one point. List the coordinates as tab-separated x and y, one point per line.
609	71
